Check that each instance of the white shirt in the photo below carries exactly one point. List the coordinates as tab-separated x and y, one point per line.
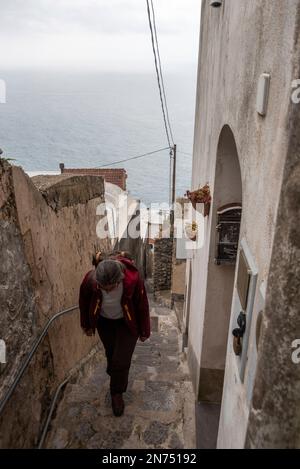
111	303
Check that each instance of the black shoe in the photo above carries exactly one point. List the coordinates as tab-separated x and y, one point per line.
117	404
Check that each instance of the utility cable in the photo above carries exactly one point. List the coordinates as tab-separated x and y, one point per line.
134	157
161	74
184	153
157	74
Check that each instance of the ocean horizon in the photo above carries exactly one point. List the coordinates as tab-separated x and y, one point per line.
93	119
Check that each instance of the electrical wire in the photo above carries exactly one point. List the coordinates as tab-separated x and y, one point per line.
163	99
157	74
134	157
184	153
161	74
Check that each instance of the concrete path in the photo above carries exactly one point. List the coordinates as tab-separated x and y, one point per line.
160	403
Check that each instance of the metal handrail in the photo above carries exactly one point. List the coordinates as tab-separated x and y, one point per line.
52	407
23	368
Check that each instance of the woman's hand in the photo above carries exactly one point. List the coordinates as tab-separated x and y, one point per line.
88	332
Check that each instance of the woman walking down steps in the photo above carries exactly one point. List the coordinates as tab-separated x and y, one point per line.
113	300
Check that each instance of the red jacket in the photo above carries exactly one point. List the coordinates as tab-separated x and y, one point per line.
134	301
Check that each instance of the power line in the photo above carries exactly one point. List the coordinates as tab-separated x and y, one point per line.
135	157
157	74
184	153
161	75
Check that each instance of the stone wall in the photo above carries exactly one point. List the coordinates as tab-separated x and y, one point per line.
47	240
149	250
162	271
274	420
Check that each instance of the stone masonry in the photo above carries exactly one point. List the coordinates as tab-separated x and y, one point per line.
162	272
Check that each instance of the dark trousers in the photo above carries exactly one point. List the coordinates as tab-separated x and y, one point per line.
119	345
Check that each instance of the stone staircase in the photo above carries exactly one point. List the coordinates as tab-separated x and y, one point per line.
160	404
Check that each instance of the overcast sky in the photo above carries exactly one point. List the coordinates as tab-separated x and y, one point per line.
110	35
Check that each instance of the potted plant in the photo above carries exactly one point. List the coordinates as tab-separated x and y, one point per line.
200	196
191	230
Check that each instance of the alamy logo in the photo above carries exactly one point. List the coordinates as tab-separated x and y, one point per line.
296	93
296	353
122	217
2	351
2	92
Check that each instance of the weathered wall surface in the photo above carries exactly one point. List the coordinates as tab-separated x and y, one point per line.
48	241
275	421
162	271
178	286
20	305
240	41
148	249
178	277
17	297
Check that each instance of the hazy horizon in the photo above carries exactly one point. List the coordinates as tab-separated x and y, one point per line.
99	35
81	86
91	119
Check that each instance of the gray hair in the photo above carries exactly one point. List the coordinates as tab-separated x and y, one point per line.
109	272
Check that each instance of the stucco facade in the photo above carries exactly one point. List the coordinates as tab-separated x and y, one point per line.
242	155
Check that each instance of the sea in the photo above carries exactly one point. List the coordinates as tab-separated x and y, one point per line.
89	119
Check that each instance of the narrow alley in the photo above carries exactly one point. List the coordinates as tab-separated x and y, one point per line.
159	403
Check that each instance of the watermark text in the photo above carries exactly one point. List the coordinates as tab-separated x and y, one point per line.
2	91
2	351
118	220
296	93
296	352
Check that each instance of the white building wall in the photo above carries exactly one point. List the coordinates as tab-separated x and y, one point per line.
240	41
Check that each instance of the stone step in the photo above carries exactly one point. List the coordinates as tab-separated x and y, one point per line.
155	403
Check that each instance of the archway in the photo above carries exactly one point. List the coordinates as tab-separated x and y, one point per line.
224	239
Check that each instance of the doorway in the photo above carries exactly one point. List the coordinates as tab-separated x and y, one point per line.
227	195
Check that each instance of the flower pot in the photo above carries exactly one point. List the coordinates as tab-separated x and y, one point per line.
200	196
191	233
